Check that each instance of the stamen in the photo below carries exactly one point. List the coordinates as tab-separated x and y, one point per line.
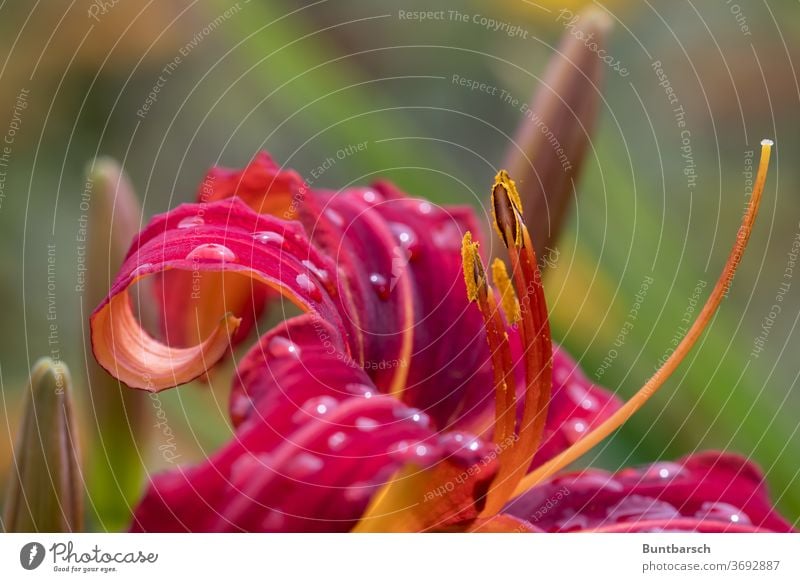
506	209
508	298
474	277
537	357
638	400
499	349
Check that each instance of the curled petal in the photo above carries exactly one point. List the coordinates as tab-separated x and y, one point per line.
128	353
223	237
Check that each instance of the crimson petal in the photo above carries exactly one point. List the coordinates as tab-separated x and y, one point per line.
710	491
314	440
222	237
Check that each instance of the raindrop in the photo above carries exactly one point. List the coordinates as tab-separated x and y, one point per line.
334	217
337	441
269	237
212	252
366	424
281	347
315	407
722	511
380	284
448	237
191	222
304	464
321	274
307	285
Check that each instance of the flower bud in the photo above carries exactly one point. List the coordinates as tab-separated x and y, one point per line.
45	491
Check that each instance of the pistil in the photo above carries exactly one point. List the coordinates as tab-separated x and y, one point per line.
638	400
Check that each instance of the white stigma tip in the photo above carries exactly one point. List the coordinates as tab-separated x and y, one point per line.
767	142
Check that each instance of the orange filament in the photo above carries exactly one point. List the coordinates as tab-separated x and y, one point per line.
502	363
638	400
535	335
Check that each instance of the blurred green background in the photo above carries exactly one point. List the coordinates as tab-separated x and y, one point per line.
303	81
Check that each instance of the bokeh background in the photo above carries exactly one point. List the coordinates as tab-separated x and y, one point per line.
303	80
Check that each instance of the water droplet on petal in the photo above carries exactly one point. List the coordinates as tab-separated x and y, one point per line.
574	430
337	441
273	521
359	390
241	405
448	236
321	274
334	217
371	196
212	252
281	347
581	396
269	237
303	465
721	511
307	285
360	492
366	424
414	415
416	451
406	237
639	507
425	208
664	470
464	446
380	284
191	222
315	407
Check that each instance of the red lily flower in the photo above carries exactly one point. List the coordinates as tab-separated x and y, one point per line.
391	404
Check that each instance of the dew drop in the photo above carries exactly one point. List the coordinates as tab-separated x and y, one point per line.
365	424
574	430
334	217
304	464
359	390
407	238
281	347
664	470
191	222
241	405
722	511
315	407
337	441
425	208
581	396
307	285
370	196
212	252
273	521
381	285
359	492
639	507
269	237
321	274
447	237
414	415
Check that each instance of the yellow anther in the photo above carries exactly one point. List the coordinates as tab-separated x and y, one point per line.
507	296
474	275
506	209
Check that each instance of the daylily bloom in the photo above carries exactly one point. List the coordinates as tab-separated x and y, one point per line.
391	403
